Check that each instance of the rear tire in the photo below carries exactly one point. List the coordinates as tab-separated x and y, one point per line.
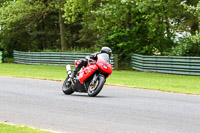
67	87
93	91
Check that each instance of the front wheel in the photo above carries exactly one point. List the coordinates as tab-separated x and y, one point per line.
94	90
67	87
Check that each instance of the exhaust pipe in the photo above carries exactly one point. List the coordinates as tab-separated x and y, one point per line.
68	68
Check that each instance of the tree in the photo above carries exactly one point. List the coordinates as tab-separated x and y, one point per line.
58	6
190	45
19	19
29	25
127	26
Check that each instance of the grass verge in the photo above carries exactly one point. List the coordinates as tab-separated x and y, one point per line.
153	81
7	128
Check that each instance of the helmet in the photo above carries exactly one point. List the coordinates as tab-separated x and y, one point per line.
106	50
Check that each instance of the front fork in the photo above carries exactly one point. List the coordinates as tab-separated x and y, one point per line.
94	79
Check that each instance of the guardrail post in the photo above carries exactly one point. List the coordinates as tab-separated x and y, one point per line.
0	57
116	65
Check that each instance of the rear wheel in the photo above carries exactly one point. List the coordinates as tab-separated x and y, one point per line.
67	87
94	90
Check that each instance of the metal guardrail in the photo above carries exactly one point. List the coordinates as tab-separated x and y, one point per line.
167	64
49	58
0	57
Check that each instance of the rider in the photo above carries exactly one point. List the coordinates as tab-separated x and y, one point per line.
84	62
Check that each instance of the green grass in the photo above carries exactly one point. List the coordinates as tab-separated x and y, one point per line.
153	81
33	71
6	128
157	81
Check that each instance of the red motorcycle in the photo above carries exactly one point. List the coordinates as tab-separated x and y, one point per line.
91	78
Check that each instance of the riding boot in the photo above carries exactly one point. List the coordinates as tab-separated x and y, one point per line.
74	73
80	65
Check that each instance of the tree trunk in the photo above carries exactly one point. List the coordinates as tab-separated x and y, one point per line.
62	32
194	28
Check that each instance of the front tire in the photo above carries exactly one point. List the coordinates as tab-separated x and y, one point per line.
67	87
94	90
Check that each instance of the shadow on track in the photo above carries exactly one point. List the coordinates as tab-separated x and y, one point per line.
78	95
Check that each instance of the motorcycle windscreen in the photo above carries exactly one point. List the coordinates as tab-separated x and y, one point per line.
104	63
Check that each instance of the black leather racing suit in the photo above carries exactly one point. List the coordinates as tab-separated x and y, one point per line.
84	62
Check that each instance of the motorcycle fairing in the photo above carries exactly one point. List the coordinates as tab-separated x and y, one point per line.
87	72
104	64
104	68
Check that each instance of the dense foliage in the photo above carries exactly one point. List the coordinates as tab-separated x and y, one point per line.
153	27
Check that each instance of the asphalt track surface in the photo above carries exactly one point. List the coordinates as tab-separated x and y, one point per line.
41	104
